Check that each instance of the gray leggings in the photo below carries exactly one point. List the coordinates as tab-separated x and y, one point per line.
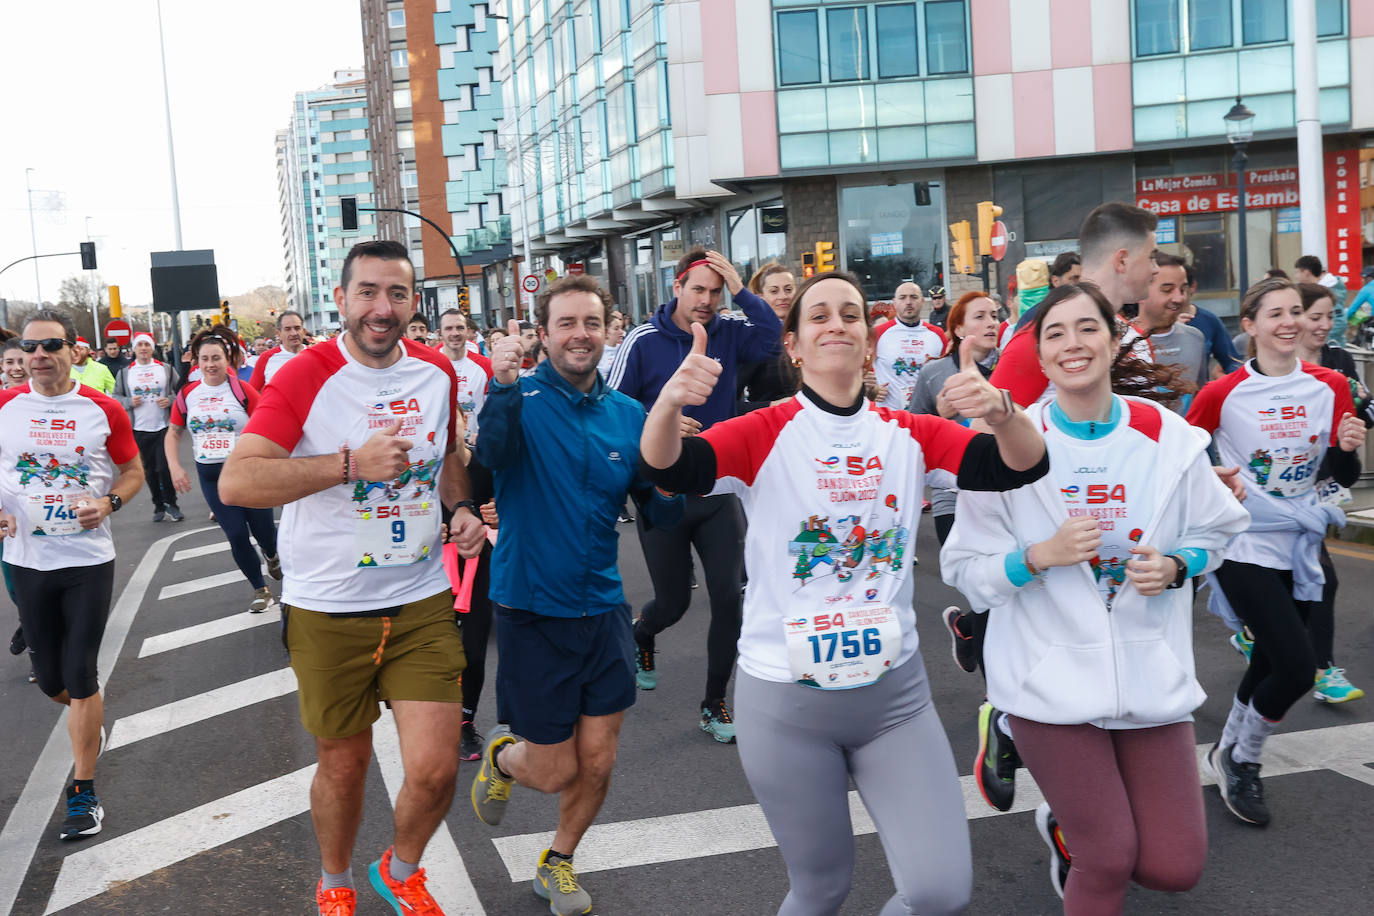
800	746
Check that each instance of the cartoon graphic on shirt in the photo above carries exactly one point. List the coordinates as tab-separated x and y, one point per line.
150	391
1261	462
207	424
381	500
883	547
1113	568
45	468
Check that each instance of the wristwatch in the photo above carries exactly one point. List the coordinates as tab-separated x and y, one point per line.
115	502
468	504
1182	571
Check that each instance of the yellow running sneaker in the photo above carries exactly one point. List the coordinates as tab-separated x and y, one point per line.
491	790
557	883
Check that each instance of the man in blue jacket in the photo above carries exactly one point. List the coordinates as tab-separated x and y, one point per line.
647	358
563	449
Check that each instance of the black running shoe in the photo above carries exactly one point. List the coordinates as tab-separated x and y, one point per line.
1240	786
17	642
84	814
995	768
1060	860
965	652
470	748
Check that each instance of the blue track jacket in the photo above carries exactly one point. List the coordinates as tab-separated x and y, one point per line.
562	461
652	352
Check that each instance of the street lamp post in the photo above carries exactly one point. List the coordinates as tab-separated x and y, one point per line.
1240	127
33	232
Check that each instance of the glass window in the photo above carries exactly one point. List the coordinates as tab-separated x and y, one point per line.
850	106
1205	239
847	42
405	139
611	18
898	144
396	18
799	48
946	47
899	103
647	115
446	53
877	222
615	119
1209	24
802	110
803	150
1330	18
741	227
399	58
400	98
896	39
1264	20
949	100
1156	27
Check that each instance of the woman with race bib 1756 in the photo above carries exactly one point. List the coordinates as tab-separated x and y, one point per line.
832	485
215	409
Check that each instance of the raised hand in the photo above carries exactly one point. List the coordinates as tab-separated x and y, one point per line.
383	455
696	378
970	395
507	354
721	265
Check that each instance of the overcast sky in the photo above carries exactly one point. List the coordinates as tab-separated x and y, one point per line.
83	107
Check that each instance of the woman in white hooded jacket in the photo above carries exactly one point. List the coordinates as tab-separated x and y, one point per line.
1089	572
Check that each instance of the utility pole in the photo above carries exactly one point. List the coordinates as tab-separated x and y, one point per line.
95	294
171	157
33	233
1311	177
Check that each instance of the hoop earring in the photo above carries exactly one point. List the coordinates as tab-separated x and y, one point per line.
796	362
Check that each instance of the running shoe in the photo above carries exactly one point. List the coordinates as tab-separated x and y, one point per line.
159	515
84	814
491	790
176	515
1060	860
337	901
408	897
1240	786
262	599
557	883
17	642
645	675
624	518
1332	687
997	761
33	675
1242	644
716	721
470	747
273	565
965	652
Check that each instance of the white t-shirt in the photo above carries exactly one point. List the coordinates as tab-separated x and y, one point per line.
900	352
371	544
269	364
53	452
148	382
607	357
214	417
473	374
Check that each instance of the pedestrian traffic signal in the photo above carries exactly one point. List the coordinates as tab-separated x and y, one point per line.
463	305
988	213
962	247
348	211
825	256
808	264
224	313
88	255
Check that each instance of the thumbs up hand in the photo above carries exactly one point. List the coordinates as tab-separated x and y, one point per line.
507	354
696	378
970	395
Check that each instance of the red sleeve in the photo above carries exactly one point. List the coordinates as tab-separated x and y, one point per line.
881	329
1343	404
1018	369
259	379
280	416
177	418
482	361
437	358
944	338
251	398
120	444
1205	411
942	441
741	444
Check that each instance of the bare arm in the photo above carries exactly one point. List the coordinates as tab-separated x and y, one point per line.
260	474
126	486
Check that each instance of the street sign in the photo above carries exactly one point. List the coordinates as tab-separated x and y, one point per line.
530	283
998	240
576	269
119	330
550	275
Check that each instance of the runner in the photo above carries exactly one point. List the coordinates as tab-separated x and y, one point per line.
714	525
356	438
113	357
216	410
291	331
68	460
904	344
765	381
145	389
832	487
1101	703
566	671
1278	418
89	372
472	369
615	336
1309	269
417	329
939	308
1172	342
12	365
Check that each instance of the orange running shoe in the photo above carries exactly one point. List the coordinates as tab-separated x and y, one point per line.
407	898
337	901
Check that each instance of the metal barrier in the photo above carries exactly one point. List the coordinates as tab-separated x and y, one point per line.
1364	360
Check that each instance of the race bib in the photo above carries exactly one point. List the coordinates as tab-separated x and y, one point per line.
214	446
395	533
55	513
1285	473
836	649
1331	493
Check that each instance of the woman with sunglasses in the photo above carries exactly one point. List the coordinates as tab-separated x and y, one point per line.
216	409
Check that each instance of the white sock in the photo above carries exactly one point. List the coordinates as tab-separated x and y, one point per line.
342	879
1253	733
401	870
1233	723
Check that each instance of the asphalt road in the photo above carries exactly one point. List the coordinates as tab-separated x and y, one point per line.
206	811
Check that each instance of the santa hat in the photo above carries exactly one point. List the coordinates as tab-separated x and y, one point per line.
81	342
142	336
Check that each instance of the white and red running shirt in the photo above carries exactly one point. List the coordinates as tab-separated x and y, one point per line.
473	373
900	352
833	503
1277	429
269	364
150	383
366	545
55	452
215	418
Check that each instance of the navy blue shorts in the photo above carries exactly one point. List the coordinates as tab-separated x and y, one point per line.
551	671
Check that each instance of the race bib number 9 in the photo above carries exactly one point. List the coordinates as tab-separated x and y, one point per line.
54	514
839	649
395	533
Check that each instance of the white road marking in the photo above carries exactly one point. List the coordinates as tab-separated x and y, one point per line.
96	869
211	629
200	585
443	863
1343	749
200	707
190	553
30	815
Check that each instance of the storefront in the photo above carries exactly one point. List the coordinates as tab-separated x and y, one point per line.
893	232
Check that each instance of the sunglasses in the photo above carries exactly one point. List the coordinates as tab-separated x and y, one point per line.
49	344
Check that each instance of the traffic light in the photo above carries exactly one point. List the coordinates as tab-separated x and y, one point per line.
88	255
988	213
825	256
348	211
116	308
963	247
224	313
463	305
808	264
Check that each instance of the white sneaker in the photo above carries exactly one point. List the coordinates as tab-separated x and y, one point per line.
262	600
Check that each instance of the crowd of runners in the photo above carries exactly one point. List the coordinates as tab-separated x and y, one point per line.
1092	452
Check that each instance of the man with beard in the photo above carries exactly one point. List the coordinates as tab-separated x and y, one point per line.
903	344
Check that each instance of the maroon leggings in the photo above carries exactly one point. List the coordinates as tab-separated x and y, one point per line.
1129	803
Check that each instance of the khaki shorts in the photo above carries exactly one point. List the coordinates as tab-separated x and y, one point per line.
345	666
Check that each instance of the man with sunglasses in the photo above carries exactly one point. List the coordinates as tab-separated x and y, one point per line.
90	372
67	461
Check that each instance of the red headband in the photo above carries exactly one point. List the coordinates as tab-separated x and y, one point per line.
702	263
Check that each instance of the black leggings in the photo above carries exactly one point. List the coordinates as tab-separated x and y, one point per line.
475	626
154	456
63	613
237	522
1282	664
972	625
714	525
1321	618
